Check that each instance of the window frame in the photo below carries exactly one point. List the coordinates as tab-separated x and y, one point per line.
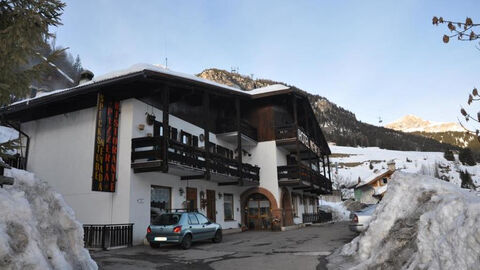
225	195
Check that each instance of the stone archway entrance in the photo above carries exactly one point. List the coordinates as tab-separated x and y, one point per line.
286	205
260	209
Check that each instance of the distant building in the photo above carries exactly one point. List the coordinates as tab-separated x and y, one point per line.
371	190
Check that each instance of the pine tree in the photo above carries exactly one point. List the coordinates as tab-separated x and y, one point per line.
448	155
466	157
24	26
466	180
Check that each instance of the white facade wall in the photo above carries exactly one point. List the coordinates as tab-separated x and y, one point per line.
61	153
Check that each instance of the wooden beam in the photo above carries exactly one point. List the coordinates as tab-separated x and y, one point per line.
206	133
193	177
166	128
239	139
295	123
229	183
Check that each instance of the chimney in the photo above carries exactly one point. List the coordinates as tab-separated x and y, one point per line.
85	76
391	165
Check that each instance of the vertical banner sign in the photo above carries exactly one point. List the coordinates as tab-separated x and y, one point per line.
106	139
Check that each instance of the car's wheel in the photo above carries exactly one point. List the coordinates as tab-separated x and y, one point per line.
218	237
154	245
186	242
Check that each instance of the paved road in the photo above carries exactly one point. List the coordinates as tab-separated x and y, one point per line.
304	248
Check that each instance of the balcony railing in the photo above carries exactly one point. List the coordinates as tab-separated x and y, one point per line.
301	176
227	125
107	236
16	161
289	134
193	157
319	217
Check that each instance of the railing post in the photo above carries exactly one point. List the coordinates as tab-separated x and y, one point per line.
206	133
103	231
166	128
239	141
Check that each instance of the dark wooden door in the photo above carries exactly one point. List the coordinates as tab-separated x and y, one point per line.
211	210
191	198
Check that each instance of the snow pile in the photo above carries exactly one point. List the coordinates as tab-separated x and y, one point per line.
421	223
37	229
338	210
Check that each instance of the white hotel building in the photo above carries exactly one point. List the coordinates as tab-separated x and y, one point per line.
126	146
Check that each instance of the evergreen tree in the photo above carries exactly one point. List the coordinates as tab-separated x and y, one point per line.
466	157
466	180
24	26
448	155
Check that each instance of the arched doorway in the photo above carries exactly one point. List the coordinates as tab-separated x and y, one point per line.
286	205
259	216
263	217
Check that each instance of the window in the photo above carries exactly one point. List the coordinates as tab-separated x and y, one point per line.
186	138
192	219
160	200
167	219
294	205
228	206
202	219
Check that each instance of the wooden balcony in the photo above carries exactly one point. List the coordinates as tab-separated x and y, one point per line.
227	131
299	176
287	137
189	162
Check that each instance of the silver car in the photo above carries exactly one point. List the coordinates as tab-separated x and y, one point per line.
361	219
182	228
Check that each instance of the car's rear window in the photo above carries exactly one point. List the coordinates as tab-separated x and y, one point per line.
167	219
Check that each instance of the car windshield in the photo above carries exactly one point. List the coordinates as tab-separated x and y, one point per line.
167	219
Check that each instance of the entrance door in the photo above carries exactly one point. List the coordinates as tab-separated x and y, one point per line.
211	209
258	215
191	199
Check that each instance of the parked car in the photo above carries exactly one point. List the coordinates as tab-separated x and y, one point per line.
361	219
182	228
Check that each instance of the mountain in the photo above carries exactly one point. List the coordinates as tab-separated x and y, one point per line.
444	132
339	125
412	123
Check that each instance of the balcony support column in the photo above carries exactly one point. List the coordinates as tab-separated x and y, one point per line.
295	123
239	141
323	163
166	127
328	163
206	133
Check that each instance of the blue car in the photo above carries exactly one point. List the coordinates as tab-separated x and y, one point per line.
182	228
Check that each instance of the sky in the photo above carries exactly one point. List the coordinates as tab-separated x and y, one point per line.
378	59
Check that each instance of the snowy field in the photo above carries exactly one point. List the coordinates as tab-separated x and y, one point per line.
421	223
37	229
351	164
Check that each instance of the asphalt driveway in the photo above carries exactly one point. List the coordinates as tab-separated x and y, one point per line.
304	248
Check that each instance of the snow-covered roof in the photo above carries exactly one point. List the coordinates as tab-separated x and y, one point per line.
381	190
374	177
268	89
138	68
